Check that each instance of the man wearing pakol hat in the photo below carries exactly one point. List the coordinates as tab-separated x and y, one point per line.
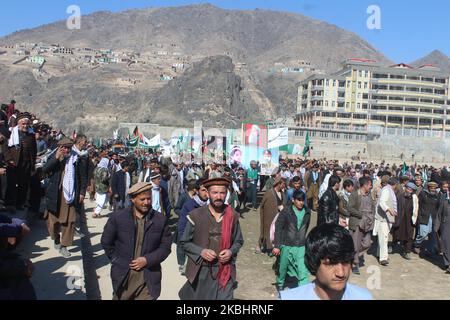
429	201
211	240
137	240
408	210
64	195
385	214
21	159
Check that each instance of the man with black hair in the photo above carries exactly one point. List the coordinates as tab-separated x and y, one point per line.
198	197
385	214
348	188
328	211
290	238
328	256
120	183
295	185
361	208
313	180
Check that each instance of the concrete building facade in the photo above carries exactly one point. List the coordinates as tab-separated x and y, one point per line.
367	97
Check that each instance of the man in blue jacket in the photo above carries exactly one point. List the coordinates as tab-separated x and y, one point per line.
200	199
137	240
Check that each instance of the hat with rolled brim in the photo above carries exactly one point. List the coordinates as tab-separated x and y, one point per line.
65	142
154	175
139	188
432	184
24	115
278	181
217	182
411	186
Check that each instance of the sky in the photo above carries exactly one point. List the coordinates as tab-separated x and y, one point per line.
407	30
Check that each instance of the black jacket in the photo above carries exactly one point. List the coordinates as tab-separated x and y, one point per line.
328	210
428	205
286	232
118	184
53	168
118	241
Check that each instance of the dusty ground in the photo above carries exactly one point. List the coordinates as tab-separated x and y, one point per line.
418	278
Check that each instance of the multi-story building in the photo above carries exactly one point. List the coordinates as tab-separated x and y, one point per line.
367	97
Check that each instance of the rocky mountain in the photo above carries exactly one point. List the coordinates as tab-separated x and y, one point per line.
435	58
212	88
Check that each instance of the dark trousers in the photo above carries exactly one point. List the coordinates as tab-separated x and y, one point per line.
252	194
262	182
18	185
181	256
36	193
242	199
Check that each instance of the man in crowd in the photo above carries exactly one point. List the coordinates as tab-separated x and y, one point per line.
21	159
120	184
442	225
290	238
272	203
329	256
429	202
198	198
212	240
361	208
313	180
408	209
385	214
328	211
136	256
252	182
67	169
15	271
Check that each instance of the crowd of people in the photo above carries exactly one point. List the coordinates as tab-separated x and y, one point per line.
50	175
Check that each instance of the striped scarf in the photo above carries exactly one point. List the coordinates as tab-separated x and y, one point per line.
69	176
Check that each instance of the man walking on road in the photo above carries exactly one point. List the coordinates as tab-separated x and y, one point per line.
137	240
212	240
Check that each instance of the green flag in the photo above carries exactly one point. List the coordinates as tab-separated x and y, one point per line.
307	145
404	169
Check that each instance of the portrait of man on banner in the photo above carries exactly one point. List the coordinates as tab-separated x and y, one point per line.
236	155
255	135
269	161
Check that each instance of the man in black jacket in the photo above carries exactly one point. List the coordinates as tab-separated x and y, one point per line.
120	183
137	240
328	211
290	238
68	171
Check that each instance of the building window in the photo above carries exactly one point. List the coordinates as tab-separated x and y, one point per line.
347	105
326	103
359	84
333	104
365	85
